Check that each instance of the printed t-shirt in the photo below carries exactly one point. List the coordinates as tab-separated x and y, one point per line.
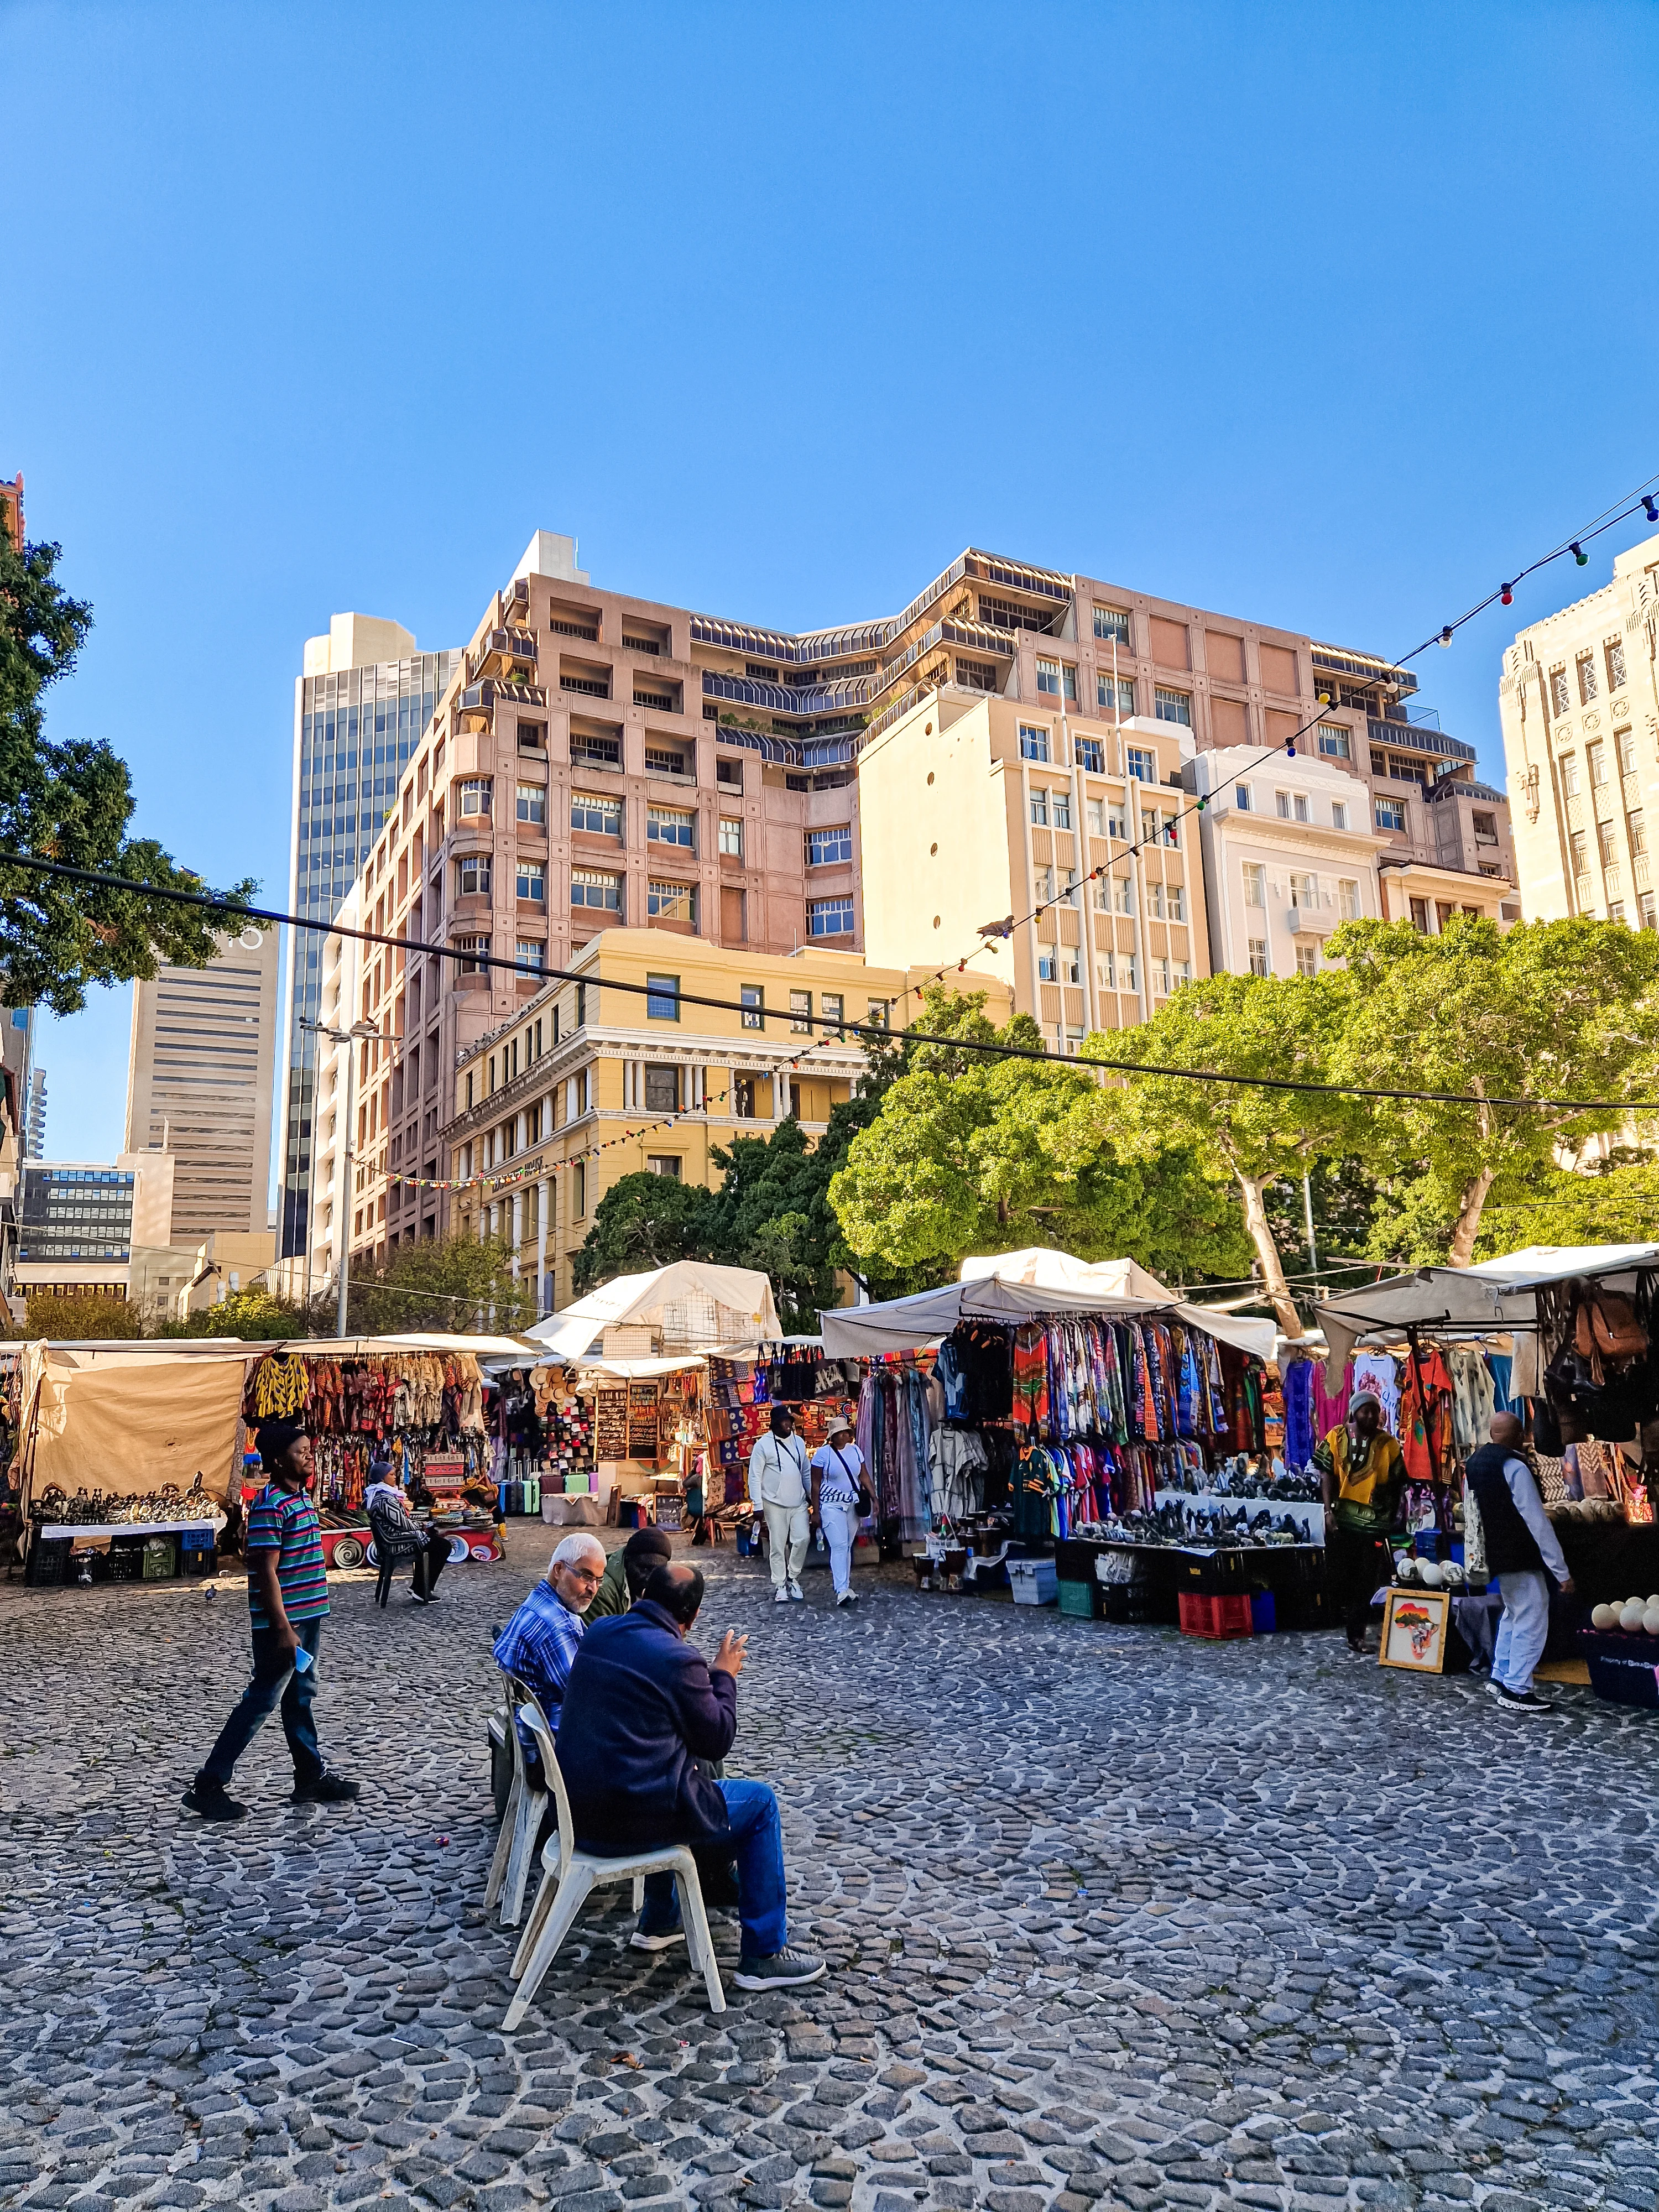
285	1522
1367	1484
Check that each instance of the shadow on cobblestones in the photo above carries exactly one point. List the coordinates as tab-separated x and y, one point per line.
1113	1919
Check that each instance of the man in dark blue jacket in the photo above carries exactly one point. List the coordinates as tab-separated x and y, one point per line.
642	1707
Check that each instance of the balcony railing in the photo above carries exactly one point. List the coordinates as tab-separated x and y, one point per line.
590	687
481	698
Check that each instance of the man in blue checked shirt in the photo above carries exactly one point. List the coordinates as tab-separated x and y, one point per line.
539	1644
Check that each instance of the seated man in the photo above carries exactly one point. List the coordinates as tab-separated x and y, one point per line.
539	1644
642	1709
626	1573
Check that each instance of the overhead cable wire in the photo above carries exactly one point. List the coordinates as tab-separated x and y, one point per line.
834	1026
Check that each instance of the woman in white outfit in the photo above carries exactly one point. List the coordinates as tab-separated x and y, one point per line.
837	1476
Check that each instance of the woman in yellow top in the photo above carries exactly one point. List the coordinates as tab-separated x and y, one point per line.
1362	1472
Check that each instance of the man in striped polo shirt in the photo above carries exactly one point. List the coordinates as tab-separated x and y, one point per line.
288	1603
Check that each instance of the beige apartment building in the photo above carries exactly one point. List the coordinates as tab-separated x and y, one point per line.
619	1072
1579	701
598	762
199	1070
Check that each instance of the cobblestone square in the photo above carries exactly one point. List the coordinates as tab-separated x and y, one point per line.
1115	1918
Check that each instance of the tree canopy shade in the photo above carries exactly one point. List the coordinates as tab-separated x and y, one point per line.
972	1154
1281	1028
458	1283
71	801
645	1221
1549	1009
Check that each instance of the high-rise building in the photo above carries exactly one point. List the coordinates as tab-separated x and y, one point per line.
1579	699
597	761
359	708
199	1082
34	1127
81	1221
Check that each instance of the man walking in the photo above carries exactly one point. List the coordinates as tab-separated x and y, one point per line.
837	1476
1519	1545
287	1604
1362	1472
778	1485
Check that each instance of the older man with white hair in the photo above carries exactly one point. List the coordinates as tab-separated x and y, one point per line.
539	1644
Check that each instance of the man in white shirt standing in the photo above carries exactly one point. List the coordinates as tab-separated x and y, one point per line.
778	1485
837	1472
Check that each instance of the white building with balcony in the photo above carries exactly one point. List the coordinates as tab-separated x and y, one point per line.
1289	853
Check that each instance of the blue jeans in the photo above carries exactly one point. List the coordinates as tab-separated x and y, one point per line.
756	1844
275	1681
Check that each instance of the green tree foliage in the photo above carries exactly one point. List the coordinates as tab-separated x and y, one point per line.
975	1154
645	1221
455	1283
258	1315
1562	1009
71	800
1282	1028
1606	1202
83	1320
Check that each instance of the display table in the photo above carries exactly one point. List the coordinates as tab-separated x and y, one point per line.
1158	1573
81	1531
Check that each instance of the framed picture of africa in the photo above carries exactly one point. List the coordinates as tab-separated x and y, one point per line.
1414	1623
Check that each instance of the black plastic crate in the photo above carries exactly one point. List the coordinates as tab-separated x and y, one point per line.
126	1562
48	1561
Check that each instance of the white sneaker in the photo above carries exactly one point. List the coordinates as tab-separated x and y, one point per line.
638	1941
843	1597
780	1594
795	1589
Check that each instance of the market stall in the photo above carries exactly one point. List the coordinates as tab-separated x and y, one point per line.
1044	1401
1444	1347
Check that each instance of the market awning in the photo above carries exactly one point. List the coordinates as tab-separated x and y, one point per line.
1486	1299
687	1305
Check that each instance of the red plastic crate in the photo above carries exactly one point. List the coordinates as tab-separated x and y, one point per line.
1215	1617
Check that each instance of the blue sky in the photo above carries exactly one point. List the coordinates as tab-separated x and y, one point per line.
1324	316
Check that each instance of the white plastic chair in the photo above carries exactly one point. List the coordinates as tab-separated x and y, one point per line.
568	1876
526	1808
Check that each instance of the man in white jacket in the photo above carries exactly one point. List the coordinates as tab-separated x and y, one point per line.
778	1485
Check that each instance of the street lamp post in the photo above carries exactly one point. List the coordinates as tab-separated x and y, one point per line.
351	1038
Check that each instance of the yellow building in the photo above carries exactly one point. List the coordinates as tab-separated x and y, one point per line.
976	811
590	1081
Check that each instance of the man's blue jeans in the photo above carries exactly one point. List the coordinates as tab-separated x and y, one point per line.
756	1844
276	1681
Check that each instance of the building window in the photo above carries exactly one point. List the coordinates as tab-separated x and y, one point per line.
589	887
532	957
1569	775
472	951
1335	742
663	1164
832	1008
474	795
662	1091
1624	745
1636	822
1595	757
672	902
1615	654
578	1190
587	751
532	803
1115	694
1112	622
1486	828
1258	955
1040	806
824	847
1172	829
1615	909
1256	884
662	760
1390	813
671	825
1048	676
1648	910
1577	845
1062	809
1242	797
1094	814
1117	822
1347	899
1177	897
1560	699
1033	742
1282	800
1068	681
731	837
754	1006
1048	964
1420	916
1140	765
1605	844
662	997
729	772
472	876
1307	959
1299	806
830	917
1173	706
878	1012
744	1098
1586	677
1091	756
533	882
601	818
1304	892
800	1012
1339	814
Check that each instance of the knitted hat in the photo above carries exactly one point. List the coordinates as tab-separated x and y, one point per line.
274	1439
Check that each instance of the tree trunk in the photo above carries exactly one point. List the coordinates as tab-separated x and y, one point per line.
1470	1205
1261	1236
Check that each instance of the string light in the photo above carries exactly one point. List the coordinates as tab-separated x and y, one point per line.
1650	507
1579	555
1506	597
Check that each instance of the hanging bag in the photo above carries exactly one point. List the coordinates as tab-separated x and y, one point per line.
866	1502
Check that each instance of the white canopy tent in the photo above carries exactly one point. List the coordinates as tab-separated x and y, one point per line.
682	1308
1491	1298
1018	1287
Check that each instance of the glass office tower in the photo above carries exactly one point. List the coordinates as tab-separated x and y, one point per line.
354	729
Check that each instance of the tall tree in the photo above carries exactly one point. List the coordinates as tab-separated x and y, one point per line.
645	1221
1567	1010
71	801
1282	1028
458	1283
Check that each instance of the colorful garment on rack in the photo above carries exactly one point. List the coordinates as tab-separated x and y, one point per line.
1298	1383
1030	1385
1426	1416
1330	1410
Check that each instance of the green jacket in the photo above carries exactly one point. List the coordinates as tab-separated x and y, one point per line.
612	1595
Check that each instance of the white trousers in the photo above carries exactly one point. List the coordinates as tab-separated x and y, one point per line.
840	1524
787	1531
1524	1629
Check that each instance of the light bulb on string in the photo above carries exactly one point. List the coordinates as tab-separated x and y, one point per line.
1507	595
1650	507
1446	635
1579	554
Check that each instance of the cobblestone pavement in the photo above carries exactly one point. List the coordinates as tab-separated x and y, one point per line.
1115	1918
